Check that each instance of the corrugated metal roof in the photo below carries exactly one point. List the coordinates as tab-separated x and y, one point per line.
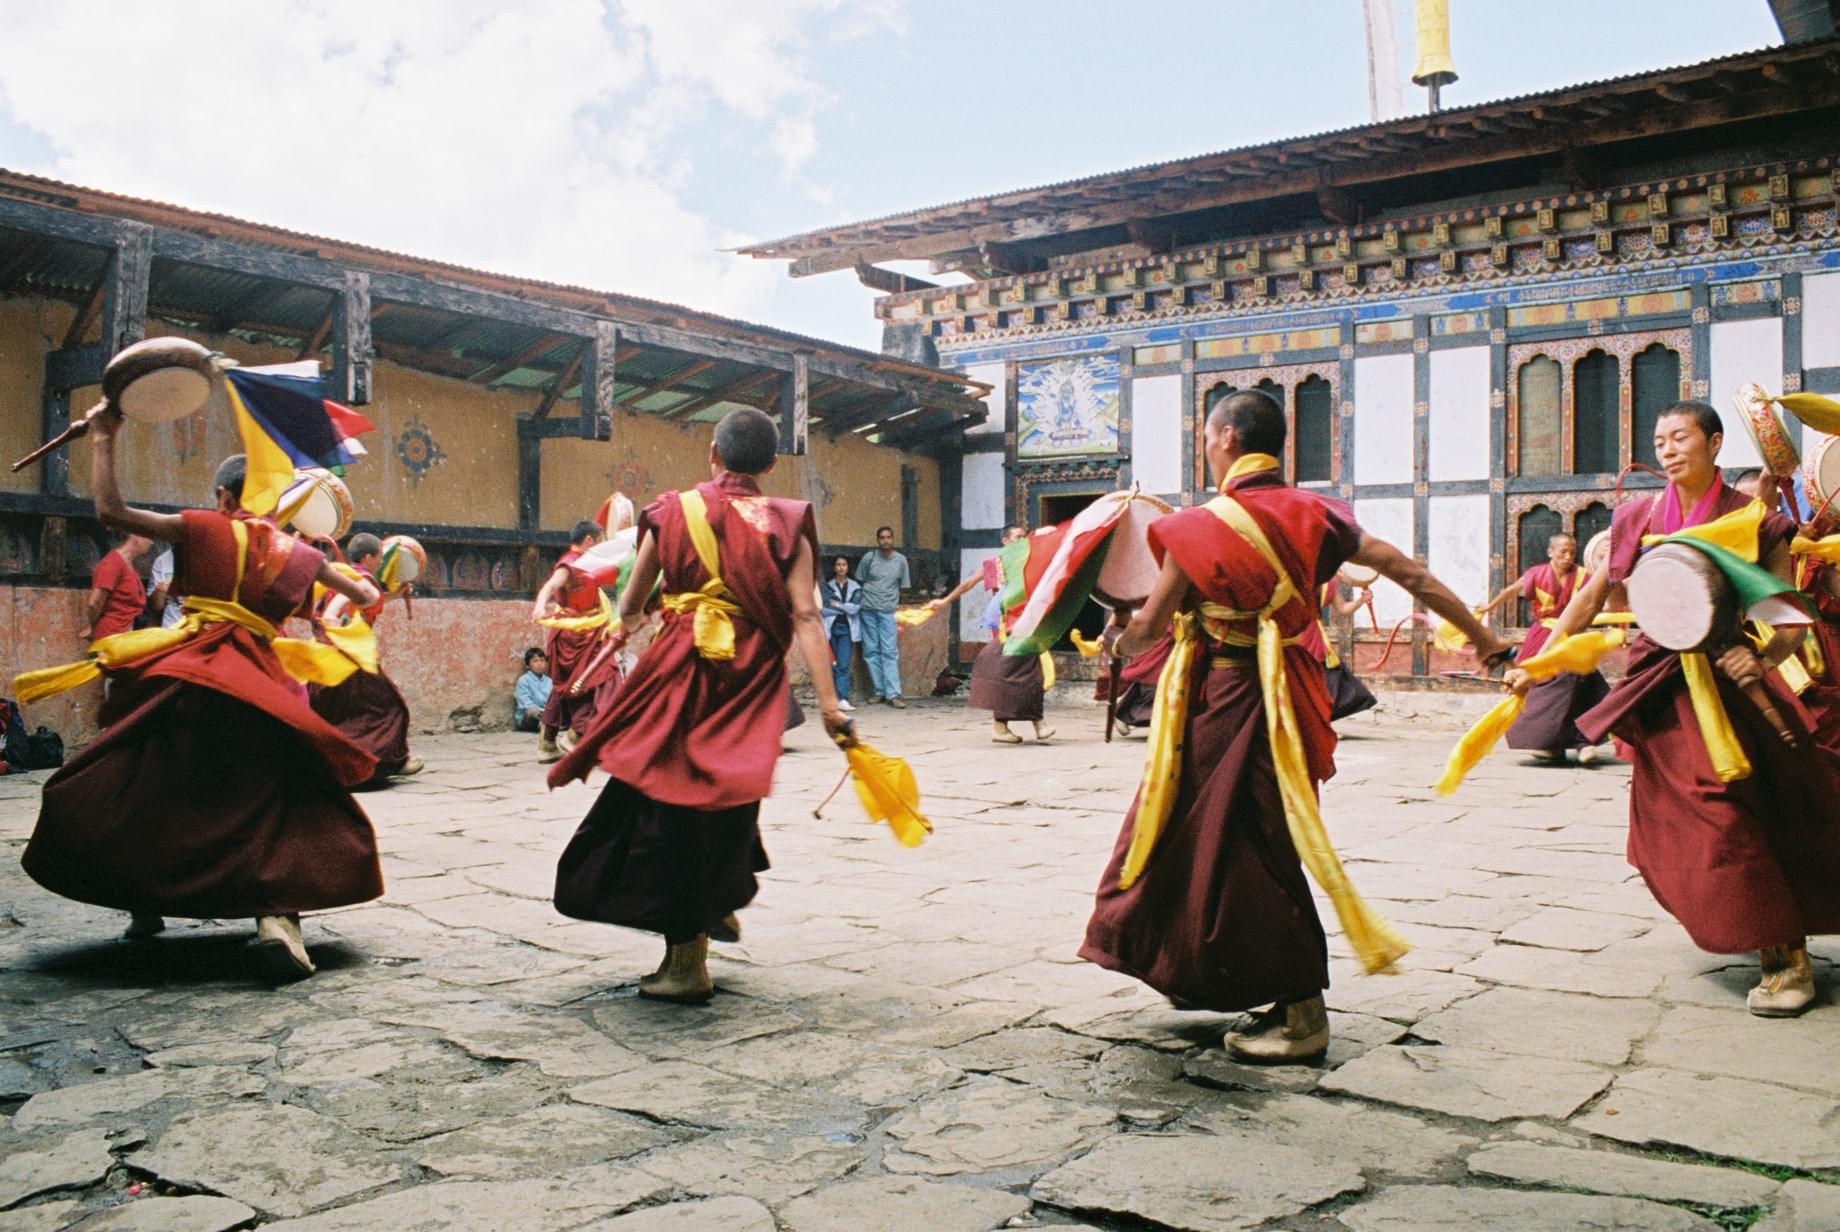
769	249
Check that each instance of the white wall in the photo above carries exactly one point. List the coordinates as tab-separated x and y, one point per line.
993	376
1156	434
971	604
981	497
1459	445
1743	352
1459	555
1389	519
1820	321
1383	419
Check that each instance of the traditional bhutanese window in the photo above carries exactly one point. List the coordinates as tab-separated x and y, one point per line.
1592	519
1537	525
1655	374
1541	433
1595	445
1315	431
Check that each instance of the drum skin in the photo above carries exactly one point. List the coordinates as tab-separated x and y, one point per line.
328	506
411	558
1681	600
1821	478
159	380
1773	444
1129	571
1357	576
1596	555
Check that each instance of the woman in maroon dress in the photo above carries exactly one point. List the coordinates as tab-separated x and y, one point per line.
213	791
1752	863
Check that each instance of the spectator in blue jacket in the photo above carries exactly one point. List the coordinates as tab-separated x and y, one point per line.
840	604
532	692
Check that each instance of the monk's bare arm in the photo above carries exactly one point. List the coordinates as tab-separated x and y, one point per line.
956	593
1352	604
114	512
546	596
639	584
356	590
1587	601
1417	581
808	633
1507	593
1159	609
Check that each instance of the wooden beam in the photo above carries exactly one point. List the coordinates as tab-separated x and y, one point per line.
1047	220
351	340
1337	206
1581	168
522	358
231	314
728	393
670	382
317	341
599	359
86	315
795	408
438	362
1156	234
28	254
878	279
561	383
124	300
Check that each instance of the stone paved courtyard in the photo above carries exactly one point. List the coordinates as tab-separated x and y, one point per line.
905	1039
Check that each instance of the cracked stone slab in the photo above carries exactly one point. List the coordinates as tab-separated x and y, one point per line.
193	1213
992	1125
1372	1139
1019	1046
542	1141
902	1202
560	1046
1469	1082
36	1167
278	1158
1563	1026
1720	1116
1425	1208
410	1104
1805	1206
565	1200
772	1168
223	1052
1567	928
1527	966
107	1098
691	1094
1629	1176
731	1214
864	1072
45	1217
1798	1053
1197	1183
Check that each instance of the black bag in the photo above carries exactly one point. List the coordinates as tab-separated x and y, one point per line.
39	750
44	750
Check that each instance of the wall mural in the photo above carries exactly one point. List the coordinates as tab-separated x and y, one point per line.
1066	407
417	452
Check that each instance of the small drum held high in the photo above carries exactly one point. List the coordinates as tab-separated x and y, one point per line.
1682	601
403	561
316	503
1821	479
1129	571
1357	577
1759	417
1596	555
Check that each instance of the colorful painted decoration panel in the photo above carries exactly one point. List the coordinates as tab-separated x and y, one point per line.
1067	407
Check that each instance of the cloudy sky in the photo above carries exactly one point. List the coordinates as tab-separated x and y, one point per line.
623	144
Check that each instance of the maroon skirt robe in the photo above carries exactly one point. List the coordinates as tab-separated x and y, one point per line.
1009	686
213	791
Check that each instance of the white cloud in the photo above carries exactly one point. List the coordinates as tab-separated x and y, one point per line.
538	139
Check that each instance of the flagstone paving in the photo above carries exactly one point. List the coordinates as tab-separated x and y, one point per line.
904	1038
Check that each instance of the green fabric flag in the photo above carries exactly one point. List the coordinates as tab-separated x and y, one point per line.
1066	609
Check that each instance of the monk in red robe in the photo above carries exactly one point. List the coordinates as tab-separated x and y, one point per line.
1549	724
571	605
213	791
367	707
1012	687
1745	861
690	739
1218	915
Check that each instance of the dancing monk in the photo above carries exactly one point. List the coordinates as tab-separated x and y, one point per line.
690	740
213	791
368	707
1011	687
1549	724
1736	833
1204	898
578	618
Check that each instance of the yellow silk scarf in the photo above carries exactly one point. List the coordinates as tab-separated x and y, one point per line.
712	606
309	662
1375	944
601	617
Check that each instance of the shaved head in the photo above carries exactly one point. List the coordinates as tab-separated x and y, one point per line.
746	441
1255	417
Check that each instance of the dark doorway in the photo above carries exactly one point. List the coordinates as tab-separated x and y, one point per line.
1052	510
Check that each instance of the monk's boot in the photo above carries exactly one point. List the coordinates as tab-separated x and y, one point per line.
1787	986
566	739
1001	734
1042	733
1294	1034
684	977
143	924
727	930
283	951
547	752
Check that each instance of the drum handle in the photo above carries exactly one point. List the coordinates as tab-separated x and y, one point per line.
1760	698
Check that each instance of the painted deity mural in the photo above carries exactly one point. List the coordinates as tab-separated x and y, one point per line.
1067	406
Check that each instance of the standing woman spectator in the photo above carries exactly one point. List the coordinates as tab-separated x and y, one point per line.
841	608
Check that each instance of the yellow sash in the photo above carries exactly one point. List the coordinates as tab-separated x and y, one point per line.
712	606
1375	944
599	618
307	661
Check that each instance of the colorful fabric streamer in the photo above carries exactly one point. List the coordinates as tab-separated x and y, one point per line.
888	792
285	421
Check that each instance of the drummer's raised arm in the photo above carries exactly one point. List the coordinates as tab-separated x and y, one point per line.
639	583
1507	593
1159	609
114	512
338	581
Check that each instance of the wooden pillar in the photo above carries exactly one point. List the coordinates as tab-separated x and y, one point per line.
597	382
351	340
795	408
530	475
124	291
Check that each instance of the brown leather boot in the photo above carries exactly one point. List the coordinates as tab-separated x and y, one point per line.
684	978
726	930
1787	986
547	752
1293	1034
